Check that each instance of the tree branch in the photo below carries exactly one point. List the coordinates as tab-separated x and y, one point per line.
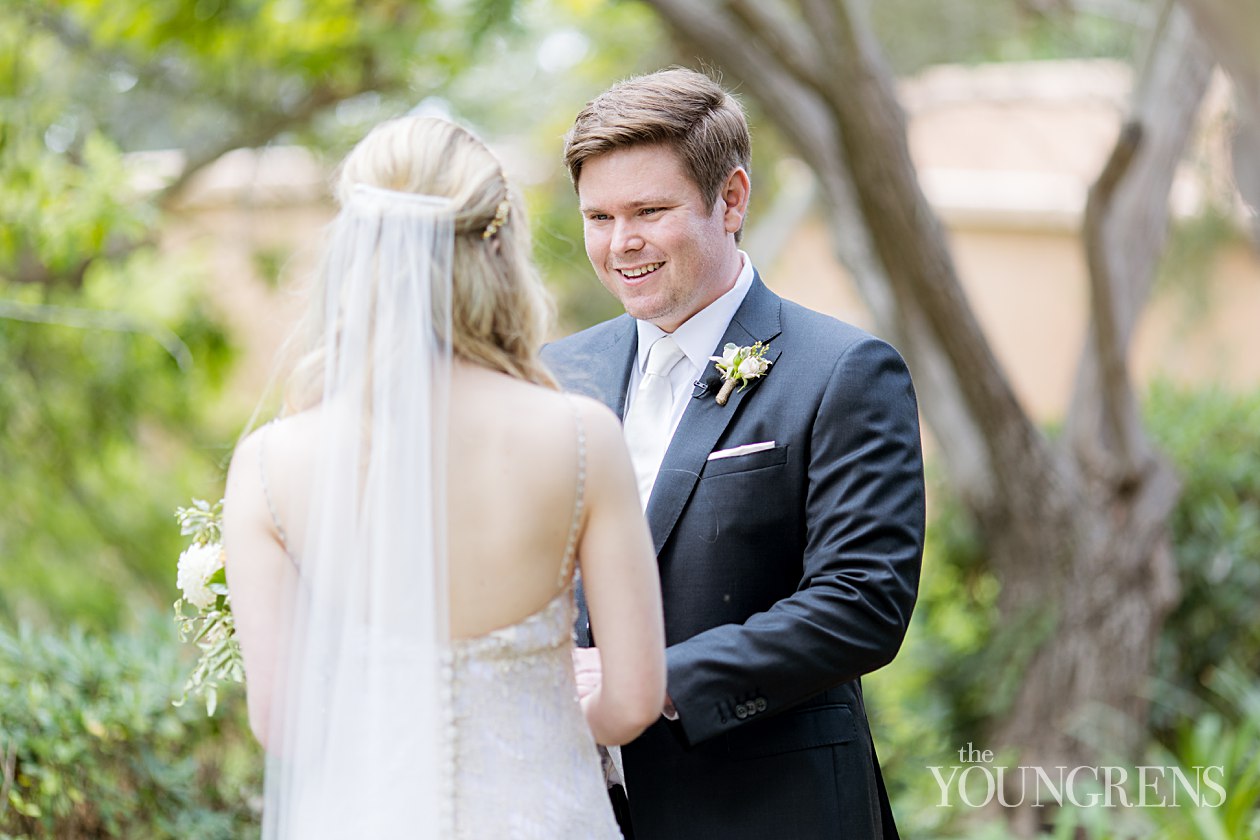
1120	420
1232	28
1126	227
7	773
99	319
31	270
73	38
782	37
266	119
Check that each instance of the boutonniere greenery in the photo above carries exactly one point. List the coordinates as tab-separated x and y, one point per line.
739	366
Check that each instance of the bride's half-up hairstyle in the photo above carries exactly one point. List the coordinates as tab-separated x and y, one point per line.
500	310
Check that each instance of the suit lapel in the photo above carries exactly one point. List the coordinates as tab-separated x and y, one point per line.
704	421
606	374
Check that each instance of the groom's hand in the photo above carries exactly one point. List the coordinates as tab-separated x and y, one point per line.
588	669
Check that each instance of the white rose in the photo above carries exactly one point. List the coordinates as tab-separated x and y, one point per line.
752	367
196	565
728	354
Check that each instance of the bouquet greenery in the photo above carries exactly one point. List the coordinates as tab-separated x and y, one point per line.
202	580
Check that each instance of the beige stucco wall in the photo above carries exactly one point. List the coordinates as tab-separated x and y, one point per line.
1028	290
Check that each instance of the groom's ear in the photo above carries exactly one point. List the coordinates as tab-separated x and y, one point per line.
733	197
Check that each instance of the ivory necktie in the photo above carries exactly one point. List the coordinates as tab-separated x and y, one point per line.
647	424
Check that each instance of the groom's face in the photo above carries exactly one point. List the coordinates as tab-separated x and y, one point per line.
654	241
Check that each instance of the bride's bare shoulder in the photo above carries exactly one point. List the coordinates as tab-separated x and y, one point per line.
598	420
280	442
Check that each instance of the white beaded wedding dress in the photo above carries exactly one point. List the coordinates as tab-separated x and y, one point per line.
521	763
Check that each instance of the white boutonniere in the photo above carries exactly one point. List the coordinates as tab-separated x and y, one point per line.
739	366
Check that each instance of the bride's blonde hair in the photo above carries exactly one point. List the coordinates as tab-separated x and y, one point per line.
500	310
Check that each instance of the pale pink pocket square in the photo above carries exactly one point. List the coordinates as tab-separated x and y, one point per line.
746	449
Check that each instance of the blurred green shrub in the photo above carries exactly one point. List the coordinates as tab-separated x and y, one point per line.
1213	438
1229	739
934	698
91	745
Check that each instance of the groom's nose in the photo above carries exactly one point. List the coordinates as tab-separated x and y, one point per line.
626	237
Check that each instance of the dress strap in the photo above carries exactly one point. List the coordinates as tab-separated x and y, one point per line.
579	503
271	505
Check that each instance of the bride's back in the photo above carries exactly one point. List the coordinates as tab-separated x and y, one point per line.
512	489
512	481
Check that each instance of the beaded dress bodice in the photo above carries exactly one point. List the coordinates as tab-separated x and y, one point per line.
524	763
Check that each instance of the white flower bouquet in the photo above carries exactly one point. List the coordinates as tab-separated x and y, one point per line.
202	580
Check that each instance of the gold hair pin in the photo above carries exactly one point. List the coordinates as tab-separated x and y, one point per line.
499	220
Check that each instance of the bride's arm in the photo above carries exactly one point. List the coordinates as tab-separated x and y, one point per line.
622	586
259	574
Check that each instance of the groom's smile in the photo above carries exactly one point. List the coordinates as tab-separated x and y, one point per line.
634	275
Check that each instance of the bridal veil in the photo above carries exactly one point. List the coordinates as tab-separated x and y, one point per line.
359	720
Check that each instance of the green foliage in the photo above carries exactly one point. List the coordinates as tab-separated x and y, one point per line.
112	357
212	75
1228	739
1213	438
953	675
93	747
109	350
973	31
1188	266
934	697
101	430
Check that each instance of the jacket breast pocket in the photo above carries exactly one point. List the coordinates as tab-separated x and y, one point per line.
745	463
817	726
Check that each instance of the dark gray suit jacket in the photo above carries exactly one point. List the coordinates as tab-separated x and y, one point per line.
786	575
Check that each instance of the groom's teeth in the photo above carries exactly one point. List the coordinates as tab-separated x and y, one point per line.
633	273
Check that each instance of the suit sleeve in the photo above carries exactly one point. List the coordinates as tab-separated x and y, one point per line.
864	521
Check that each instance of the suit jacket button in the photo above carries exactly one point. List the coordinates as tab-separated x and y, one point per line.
761	704
741	711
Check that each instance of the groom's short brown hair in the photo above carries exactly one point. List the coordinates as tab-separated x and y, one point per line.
680	108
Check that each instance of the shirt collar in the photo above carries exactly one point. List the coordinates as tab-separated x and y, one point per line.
699	334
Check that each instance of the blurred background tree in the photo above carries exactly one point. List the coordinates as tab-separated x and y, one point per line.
115	356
